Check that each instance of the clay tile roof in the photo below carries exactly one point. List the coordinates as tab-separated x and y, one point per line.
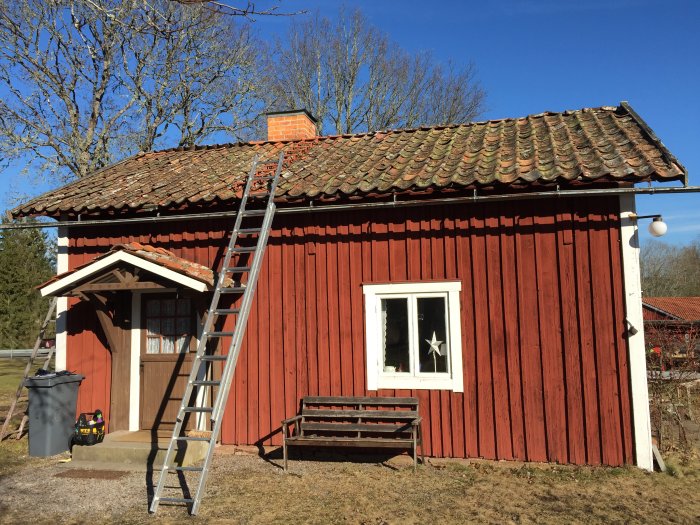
583	146
168	260
682	308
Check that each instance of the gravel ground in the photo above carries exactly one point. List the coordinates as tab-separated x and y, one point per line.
243	488
43	490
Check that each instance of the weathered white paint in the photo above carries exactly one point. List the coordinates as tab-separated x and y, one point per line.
135	364
115	258
637	350
203	393
62	303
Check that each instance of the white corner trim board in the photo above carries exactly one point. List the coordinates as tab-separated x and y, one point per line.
115	258
637	350
62	302
135	364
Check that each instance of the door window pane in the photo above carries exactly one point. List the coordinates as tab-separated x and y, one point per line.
183	307
168	325
153	326
168	307
152	308
152	345
182	325
168	345
396	336
182	343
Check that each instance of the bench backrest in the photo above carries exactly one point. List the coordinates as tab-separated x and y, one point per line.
388	417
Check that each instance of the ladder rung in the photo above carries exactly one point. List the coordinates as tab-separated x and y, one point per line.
244	249
233	289
264	177
175	500
213	357
197	409
188	469
218	334
191	438
220	311
252	213
206	383
247	231
238	269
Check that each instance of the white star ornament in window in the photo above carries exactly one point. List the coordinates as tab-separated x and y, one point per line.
434	345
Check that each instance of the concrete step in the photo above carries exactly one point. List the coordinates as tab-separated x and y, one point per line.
128	448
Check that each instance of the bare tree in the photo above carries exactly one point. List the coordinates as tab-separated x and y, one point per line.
193	77
90	81
670	271
246	9
672	364
352	78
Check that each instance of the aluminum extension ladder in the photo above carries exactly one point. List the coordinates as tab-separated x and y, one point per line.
49	319
236	281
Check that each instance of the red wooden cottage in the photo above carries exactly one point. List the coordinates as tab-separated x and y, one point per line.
510	245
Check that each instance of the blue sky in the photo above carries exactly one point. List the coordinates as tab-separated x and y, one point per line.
539	55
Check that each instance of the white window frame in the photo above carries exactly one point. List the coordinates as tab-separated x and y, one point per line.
376	376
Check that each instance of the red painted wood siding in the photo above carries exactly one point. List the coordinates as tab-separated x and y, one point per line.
651	314
544	355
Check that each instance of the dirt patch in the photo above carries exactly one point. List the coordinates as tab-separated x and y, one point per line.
92	474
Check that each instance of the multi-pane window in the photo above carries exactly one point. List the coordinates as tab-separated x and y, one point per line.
414	330
168	325
413	336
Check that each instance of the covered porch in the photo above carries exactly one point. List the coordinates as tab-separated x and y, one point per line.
148	304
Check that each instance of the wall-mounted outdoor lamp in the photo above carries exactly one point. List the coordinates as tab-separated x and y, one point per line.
657	227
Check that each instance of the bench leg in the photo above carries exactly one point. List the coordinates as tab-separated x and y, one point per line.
420	440
415	449
284	453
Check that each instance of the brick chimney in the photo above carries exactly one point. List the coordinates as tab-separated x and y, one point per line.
291	125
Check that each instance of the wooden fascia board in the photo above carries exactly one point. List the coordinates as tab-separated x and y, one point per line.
118	287
60	286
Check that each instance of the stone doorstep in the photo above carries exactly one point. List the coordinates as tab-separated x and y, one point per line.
141	454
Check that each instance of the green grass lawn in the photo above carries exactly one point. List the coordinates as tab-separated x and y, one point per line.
11	371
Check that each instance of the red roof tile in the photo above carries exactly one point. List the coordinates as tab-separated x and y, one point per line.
682	308
583	146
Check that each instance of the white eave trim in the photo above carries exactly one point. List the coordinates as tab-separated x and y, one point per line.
57	287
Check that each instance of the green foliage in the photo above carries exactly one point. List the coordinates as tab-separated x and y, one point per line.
26	260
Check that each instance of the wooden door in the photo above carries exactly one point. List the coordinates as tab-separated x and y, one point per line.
168	344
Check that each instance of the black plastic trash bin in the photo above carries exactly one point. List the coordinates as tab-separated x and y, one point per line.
52	407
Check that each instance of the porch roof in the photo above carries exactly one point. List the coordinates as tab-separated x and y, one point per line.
162	263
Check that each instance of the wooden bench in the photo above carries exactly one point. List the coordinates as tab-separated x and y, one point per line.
368	422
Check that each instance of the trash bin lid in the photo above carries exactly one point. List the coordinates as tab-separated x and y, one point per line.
50	380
